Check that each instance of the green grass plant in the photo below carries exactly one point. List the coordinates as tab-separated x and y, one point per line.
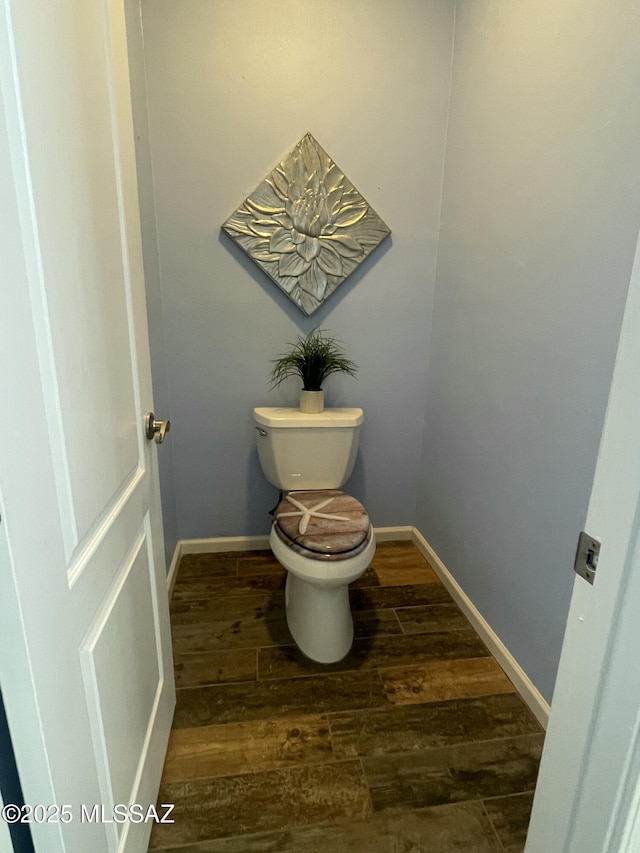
312	358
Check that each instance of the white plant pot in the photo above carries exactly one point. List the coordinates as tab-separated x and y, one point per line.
312	402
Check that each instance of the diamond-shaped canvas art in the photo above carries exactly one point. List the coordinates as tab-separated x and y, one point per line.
307	226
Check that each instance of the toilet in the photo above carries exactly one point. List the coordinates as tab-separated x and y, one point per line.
320	535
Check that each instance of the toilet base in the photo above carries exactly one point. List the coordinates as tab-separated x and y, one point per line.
317	599
319	619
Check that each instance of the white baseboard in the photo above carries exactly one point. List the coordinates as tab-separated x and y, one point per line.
393	534
224	543
258	543
523	684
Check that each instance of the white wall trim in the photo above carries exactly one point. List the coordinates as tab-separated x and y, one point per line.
523	684
224	543
393	534
258	543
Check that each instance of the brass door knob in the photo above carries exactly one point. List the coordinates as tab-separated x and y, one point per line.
154	429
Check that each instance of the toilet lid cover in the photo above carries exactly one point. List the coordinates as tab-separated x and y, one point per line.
326	521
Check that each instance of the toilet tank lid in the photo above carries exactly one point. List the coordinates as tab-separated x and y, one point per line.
287	417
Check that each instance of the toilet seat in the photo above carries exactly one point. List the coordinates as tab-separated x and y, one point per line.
324	540
326	524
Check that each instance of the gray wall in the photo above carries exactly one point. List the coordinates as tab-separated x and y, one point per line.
540	215
232	86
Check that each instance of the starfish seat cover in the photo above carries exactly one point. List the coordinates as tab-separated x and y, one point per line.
324	524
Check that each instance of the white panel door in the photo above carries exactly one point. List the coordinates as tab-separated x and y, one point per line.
85	653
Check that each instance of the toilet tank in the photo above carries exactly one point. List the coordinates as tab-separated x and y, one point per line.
303	451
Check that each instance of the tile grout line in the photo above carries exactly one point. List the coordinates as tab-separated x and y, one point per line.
402	631
326	717
368	787
508	796
495	831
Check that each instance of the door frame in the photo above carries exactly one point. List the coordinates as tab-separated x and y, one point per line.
588	794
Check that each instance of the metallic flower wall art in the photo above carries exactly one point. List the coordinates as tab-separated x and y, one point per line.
307	226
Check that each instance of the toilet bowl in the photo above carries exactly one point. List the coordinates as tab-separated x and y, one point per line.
324	540
320	535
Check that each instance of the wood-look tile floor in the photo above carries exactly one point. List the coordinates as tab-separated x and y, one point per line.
416	741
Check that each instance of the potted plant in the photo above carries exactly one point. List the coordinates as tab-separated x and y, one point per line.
312	358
